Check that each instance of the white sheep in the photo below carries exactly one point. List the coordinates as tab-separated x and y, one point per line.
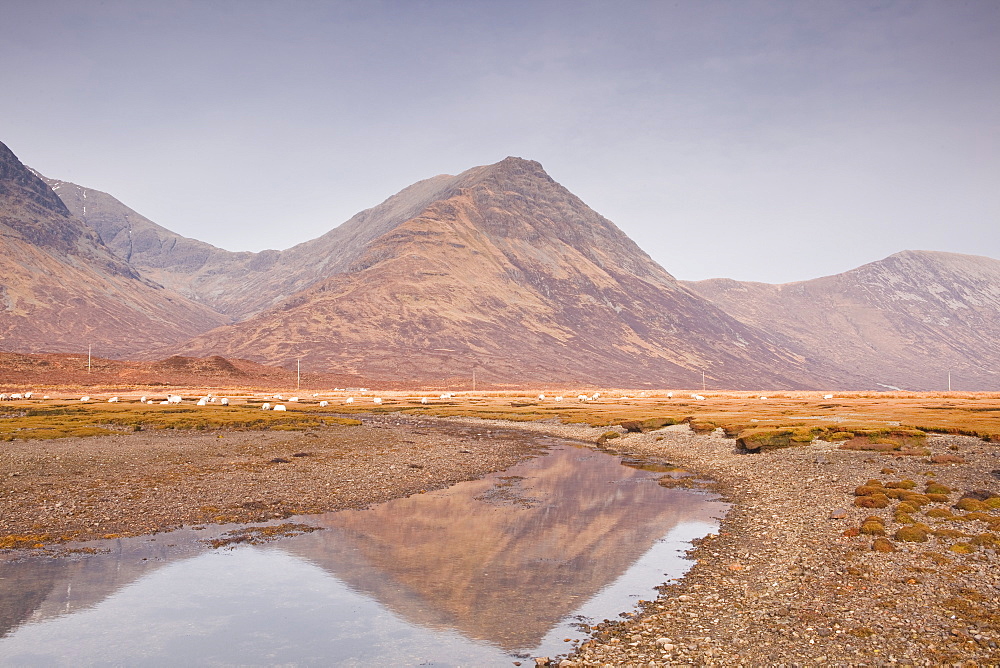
595	396
377	400
113	400
45	397
697	397
278	397
16	395
293	398
582	397
559	398
174	398
541	397
279	407
203	401
151	402
84	398
224	401
670	395
423	400
265	407
763	398
828	396
349	400
27	395
164	402
143	399
324	404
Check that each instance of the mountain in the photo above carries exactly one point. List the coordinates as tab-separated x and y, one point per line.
906	321
238	284
502	271
61	288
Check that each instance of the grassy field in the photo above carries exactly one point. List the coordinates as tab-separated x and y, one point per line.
863	420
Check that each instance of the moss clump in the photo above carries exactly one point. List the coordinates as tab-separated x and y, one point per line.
977	516
910	534
915	499
903	518
938	498
12	541
887	471
873	526
607	436
872	501
901	484
963	548
991	540
883	545
949	534
868	490
993	503
936	488
969	504
907	507
940	513
649	424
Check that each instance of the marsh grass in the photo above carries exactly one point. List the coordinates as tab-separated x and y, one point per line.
92	419
892	421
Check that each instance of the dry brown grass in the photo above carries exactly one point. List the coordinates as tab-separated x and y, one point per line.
881	419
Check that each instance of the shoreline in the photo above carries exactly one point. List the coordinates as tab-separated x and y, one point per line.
780	584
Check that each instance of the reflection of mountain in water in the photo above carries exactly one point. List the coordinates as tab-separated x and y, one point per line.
41	588
501	560
505	558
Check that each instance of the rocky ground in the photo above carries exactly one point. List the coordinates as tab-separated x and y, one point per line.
82	488
792	577
781	584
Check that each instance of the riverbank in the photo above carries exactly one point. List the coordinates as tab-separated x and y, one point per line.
782	584
108	486
789	579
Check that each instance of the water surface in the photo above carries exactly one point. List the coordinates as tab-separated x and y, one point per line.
481	573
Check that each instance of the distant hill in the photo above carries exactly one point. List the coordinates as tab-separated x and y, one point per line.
503	271
499	272
62	289
906	321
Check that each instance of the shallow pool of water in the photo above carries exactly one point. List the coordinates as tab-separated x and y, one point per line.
482	573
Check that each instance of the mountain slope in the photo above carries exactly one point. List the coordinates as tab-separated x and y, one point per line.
62	289
906	321
508	273
237	284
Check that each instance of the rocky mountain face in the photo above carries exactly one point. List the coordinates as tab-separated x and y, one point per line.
498	272
61	288
237	285
504	272
906	321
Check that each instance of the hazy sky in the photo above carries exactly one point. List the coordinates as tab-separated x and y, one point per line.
771	141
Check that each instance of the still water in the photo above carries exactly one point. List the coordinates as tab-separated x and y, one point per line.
483	573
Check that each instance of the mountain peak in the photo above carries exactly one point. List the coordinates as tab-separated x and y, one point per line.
18	182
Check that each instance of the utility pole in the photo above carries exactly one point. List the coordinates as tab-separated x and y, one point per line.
949	381
298	374
473	379
89	346
702	381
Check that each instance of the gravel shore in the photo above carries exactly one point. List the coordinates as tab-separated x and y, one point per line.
789	580
781	584
84	488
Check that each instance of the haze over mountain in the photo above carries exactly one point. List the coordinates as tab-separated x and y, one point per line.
506	272
906	321
63	289
498	271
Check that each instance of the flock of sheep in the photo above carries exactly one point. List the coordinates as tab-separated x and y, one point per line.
224	401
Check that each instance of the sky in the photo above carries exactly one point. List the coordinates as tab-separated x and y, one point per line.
771	141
